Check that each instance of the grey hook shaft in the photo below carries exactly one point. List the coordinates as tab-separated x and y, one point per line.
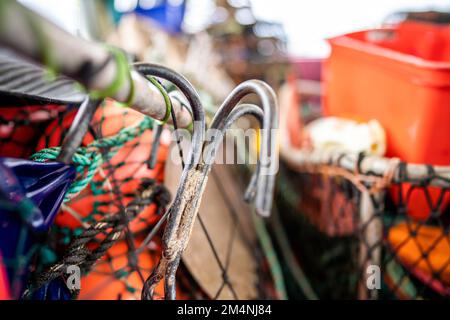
264	177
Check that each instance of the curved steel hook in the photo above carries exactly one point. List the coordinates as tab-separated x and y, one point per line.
262	182
198	114
78	129
212	146
176	238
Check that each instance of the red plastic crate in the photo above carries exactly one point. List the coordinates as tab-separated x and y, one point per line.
401	77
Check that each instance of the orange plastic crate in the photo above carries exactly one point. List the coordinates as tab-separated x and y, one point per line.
401	77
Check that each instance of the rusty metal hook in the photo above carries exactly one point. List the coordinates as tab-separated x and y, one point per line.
184	198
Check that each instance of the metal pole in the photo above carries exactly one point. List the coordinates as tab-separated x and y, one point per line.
87	62
371	235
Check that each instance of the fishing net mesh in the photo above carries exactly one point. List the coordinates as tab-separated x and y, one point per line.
20	128
109	222
113	205
392	244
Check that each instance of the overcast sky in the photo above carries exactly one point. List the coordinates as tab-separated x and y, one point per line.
307	22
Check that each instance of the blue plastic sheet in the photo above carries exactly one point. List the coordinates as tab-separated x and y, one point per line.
30	196
168	14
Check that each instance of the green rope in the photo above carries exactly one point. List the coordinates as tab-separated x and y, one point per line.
125	135
269	253
47	255
88	160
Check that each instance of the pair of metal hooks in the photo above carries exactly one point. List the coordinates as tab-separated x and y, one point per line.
185	206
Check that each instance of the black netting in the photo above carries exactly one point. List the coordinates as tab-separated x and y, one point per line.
416	239
342	232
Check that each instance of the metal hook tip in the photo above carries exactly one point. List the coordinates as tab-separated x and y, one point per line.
262	212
